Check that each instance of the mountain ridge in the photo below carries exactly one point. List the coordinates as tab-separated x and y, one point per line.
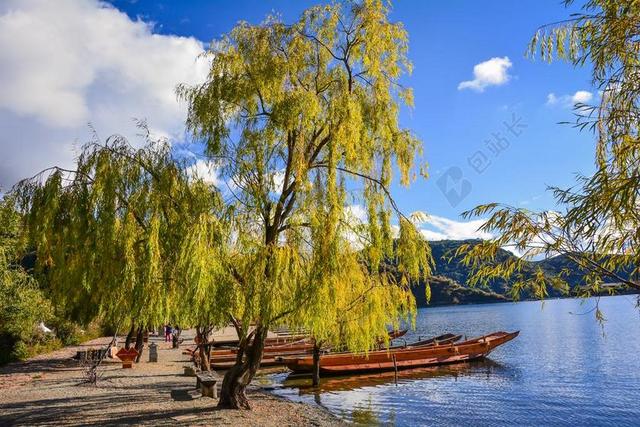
450	277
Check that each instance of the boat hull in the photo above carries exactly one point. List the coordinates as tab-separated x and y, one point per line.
274	356
403	358
269	341
404	364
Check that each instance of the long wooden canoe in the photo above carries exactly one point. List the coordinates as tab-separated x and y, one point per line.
286	339
296	346
402	358
269	341
227	364
440	339
370	379
300	346
397	333
224	359
277	358
274	355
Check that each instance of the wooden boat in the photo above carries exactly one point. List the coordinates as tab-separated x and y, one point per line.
300	346
269	341
371	379
225	358
222	359
402	358
274	355
397	333
278	359
440	339
227	364
295	346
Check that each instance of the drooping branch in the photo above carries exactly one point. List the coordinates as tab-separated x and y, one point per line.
373	180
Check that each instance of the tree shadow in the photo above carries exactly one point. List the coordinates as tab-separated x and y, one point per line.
104	409
41	365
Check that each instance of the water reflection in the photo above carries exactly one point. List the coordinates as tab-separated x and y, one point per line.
560	371
302	383
362	397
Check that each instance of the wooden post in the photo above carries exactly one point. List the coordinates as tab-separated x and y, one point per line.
316	365
139	343
395	368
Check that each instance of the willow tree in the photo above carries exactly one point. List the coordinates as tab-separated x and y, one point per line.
598	224
300	117
22	302
201	270
117	238
355	305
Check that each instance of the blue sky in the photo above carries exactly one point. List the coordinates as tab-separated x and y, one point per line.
447	39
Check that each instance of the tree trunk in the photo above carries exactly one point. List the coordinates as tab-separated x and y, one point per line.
203	348
236	380
316	365
127	342
139	343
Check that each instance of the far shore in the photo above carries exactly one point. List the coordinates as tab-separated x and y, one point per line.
507	301
48	390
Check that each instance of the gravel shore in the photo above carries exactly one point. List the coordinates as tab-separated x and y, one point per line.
48	390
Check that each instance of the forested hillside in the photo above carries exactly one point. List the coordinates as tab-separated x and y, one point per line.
450	282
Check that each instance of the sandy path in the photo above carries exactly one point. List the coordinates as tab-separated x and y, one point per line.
47	390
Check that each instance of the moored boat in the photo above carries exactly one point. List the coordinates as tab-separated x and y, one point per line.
397	333
332	383
283	339
274	355
227	364
440	339
402	358
300	346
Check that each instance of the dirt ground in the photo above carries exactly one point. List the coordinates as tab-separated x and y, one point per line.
49	390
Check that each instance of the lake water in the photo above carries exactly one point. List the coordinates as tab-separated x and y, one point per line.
561	370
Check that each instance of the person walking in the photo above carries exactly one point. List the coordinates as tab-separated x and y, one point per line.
167	333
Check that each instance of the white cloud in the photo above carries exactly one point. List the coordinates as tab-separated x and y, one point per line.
277	181
568	101
581	96
356	214
439	228
354	217
530	200
204	170
66	63
493	72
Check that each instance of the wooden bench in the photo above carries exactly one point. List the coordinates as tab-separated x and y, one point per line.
207	382
189	351
91	354
194	355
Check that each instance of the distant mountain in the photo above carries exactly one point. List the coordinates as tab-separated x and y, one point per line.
445	291
449	284
443	250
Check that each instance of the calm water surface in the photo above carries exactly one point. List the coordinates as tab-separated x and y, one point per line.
561	370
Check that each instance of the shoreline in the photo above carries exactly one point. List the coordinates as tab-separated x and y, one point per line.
571	297
47	390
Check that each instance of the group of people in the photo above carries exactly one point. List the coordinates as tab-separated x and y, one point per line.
170	332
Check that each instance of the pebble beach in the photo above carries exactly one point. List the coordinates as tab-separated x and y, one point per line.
49	390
